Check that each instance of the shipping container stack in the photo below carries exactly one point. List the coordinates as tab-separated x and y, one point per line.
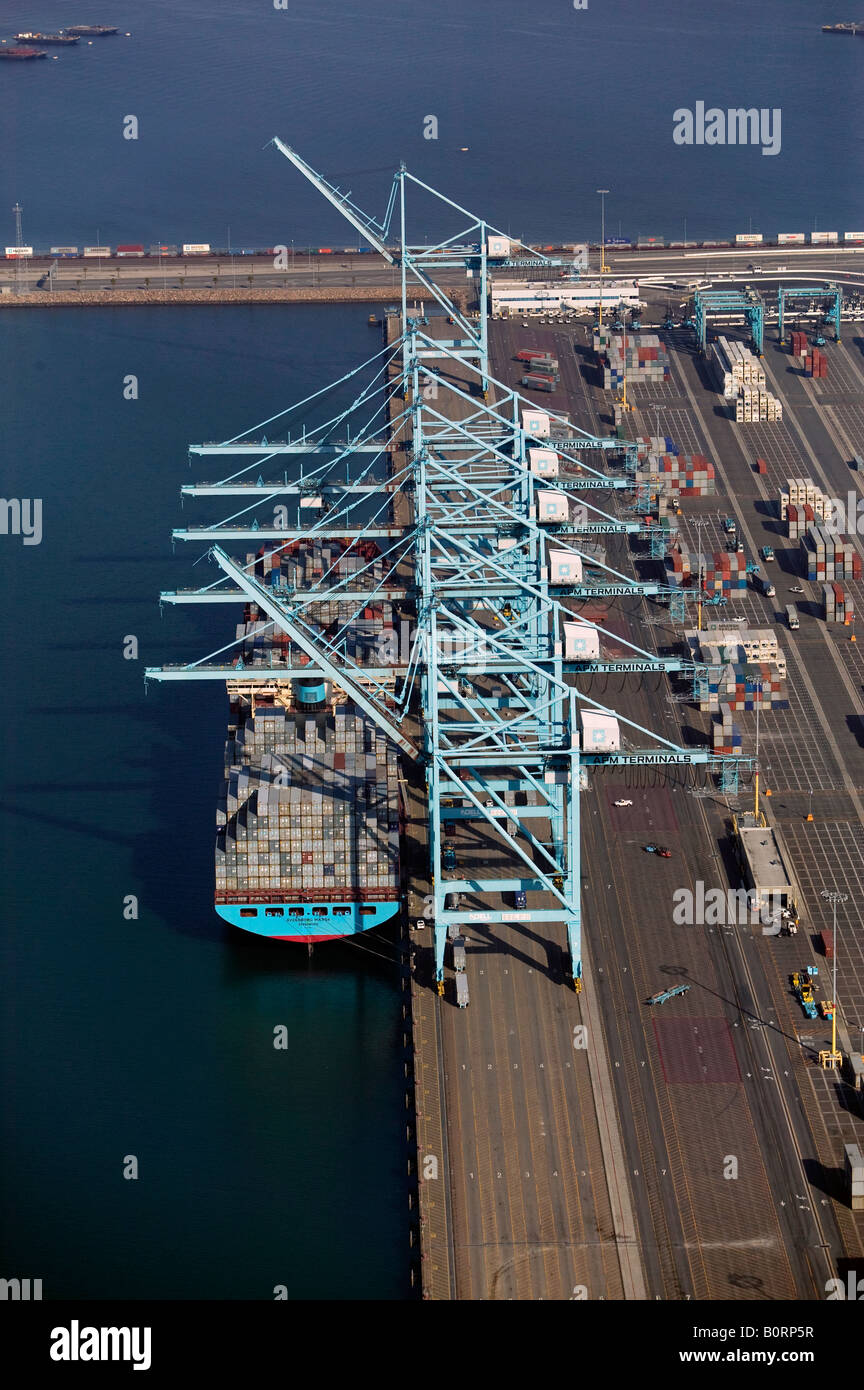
754	406
828	556
686	475
740	377
798	518
300	565
837	605
654	444
310	811
743	686
726	735
740	644
815	364
801	503
735	366
723	573
641	359
734	679
798	345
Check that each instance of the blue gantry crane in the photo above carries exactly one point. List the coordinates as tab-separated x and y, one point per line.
733	304
830	295
467	490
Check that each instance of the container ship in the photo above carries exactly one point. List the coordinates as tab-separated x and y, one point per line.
308	824
54	39
852	29
21	54
91	31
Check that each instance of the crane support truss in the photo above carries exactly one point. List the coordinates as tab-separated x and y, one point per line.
483	694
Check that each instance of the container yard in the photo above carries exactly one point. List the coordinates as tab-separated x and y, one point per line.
635	723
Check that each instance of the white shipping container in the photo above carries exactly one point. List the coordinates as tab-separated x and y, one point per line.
194	248
18	253
581	642
791	238
94	251
498	246
600	732
822	238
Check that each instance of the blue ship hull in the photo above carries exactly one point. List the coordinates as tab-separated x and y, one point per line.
306	922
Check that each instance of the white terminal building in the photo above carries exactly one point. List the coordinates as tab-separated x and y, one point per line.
511	297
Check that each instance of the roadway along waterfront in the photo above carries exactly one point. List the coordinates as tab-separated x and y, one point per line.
353	275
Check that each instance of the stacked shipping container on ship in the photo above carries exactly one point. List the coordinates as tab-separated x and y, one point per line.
828	556
837	605
307	844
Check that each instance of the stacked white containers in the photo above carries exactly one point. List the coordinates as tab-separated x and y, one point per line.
740	377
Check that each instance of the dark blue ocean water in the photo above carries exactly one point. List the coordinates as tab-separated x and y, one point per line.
154	1037
552	103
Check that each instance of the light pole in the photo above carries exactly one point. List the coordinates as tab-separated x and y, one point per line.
602	192
833	897
756	777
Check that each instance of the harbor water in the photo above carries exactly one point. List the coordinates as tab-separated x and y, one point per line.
151	1037
536	108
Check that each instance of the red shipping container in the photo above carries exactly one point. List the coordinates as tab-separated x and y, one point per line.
827	939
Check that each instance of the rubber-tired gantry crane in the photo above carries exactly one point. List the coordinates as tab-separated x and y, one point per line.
480	538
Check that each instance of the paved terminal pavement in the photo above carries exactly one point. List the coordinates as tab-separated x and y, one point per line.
728	1135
